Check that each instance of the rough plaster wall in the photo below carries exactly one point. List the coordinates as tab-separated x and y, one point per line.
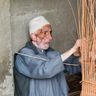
6	77
59	14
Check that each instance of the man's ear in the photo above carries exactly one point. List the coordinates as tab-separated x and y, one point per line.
33	37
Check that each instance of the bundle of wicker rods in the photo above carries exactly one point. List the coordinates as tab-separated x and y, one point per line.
87	31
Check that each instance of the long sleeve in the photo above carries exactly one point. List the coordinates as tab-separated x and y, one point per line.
73	60
38	66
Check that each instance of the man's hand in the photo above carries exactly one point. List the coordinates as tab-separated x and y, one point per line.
68	53
77	45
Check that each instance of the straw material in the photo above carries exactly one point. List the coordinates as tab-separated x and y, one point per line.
87	27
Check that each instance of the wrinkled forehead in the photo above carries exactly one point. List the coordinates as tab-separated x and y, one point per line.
44	29
47	26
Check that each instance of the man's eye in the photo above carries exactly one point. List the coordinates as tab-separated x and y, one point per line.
51	32
45	32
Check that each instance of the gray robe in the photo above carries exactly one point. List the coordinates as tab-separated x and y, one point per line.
45	70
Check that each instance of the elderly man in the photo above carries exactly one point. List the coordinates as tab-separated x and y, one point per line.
38	68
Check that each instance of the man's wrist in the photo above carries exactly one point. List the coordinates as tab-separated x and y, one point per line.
67	54
73	49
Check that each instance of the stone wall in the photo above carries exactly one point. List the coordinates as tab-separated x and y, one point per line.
6	74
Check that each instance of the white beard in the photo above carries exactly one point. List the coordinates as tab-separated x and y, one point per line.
41	45
44	46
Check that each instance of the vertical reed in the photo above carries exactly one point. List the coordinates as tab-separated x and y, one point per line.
87	30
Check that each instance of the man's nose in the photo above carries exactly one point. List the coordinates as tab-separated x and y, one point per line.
50	37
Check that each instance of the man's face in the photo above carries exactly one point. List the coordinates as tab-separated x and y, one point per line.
44	37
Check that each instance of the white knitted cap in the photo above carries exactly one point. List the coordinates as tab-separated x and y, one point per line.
37	23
